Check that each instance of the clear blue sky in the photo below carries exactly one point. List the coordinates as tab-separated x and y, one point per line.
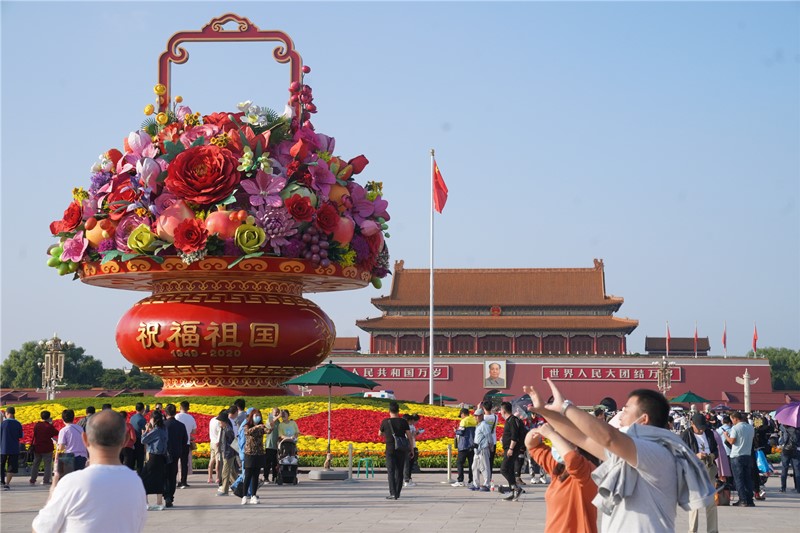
663	138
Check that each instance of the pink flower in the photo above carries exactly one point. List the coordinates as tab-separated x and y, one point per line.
191	135
74	248
170	218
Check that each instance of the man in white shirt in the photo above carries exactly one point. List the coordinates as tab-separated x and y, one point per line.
647	471
214	462
491	421
106	496
191	428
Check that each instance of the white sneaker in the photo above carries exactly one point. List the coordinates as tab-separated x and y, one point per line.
409	484
457	484
254	500
244	500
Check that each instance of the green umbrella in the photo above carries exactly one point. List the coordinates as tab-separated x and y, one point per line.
499	395
332	376
689	397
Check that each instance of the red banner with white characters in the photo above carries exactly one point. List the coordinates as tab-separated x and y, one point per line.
606	373
402	372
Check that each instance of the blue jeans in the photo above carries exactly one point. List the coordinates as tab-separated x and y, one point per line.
794	460
743	477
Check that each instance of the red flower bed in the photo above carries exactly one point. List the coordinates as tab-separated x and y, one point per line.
359	425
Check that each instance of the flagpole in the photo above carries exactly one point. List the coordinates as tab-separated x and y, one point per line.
430	310
668	338
695	339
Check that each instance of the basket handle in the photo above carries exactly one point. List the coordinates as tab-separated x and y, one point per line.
214	32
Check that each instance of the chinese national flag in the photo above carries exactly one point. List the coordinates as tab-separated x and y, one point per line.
755	339
668	338
695	339
725	337
439	189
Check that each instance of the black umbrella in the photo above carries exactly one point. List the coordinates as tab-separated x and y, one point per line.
332	376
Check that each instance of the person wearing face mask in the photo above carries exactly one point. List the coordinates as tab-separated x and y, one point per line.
255	457
569	497
647	470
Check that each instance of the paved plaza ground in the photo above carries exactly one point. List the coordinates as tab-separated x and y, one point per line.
359	506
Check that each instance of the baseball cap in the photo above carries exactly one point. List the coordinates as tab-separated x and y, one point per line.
699	421
478	412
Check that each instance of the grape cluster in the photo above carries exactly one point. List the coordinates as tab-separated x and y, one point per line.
316	247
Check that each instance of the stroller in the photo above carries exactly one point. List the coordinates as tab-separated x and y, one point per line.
287	463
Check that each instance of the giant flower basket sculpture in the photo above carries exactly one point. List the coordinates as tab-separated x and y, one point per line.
227	218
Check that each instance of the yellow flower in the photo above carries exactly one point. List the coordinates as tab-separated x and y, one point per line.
162	118
250	238
160	89
149	109
142	239
79	194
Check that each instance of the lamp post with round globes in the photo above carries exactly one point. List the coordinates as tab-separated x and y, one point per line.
53	365
664	375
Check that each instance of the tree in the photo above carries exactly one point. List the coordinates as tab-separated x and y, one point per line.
20	369
785	366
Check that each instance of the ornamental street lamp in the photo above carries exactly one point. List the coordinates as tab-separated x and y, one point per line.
53	365
664	374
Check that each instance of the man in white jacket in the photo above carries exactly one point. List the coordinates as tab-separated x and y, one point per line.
648	470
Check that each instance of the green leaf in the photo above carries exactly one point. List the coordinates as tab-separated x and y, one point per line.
110	255
158	259
173	149
128	257
386	235
248	256
259	150
230	199
162	177
199	141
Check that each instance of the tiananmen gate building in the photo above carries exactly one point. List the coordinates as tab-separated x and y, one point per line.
496	330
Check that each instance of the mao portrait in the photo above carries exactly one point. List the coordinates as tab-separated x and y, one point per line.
494	373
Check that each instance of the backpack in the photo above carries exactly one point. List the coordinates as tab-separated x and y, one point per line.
790	446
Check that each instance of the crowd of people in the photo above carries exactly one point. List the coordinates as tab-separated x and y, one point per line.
635	466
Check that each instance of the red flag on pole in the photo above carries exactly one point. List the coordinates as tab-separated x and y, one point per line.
755	339
695	340
439	189
725	337
668	338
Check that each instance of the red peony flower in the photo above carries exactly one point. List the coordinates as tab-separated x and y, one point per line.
70	221
358	163
203	174
121	196
222	120
300	208
191	235
327	218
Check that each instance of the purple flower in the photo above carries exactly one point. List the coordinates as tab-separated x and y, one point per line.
308	135
360	247
148	171
74	248
126	225
362	206
323	178
141	145
230	248
106	245
281	153
293	248
181	111
98	180
278	224
380	206
325	143
265	189
162	202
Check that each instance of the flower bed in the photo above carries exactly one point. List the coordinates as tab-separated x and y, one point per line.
353	421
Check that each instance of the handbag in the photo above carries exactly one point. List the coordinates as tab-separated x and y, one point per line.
401	444
722	497
763	465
